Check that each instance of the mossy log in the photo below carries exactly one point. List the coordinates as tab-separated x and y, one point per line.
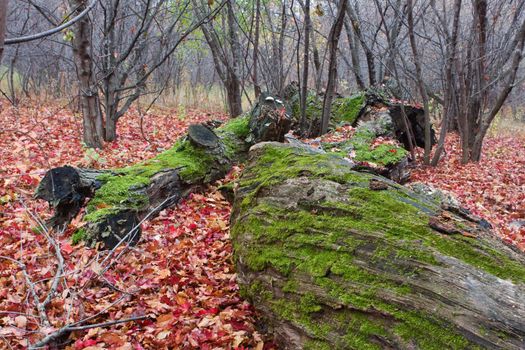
345	109
360	107
338	259
118	200
402	114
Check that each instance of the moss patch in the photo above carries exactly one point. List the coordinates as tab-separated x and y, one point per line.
344	109
361	143
78	236
347	109
125	188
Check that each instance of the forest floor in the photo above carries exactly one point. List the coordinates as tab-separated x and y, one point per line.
181	274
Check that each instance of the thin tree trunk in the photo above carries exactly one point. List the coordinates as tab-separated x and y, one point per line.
316	60
369	55
3	25
234	85
11	82
421	84
354	55
333	41
304	83
451	98
256	86
282	77
92	119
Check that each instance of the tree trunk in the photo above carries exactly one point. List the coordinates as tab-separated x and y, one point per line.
234	82
354	53
92	118
369	55
111	128
121	198
336	259
420	82
304	82
333	40
256	86
3	25
450	100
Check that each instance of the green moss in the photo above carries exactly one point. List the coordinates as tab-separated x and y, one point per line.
317	345
78	236
301	314
125	188
37	229
418	327
361	144
239	126
344	109
308	304
347	109
98	214
314	107
381	213
290	286
383	154
352	250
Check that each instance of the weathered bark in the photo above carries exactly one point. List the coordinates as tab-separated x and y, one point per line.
336	259
120	199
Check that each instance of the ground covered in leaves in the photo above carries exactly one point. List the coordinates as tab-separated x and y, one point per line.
494	189
181	274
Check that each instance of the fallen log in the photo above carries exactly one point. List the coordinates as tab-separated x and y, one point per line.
363	106
337	259
116	201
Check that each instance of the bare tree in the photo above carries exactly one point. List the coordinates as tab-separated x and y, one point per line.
93	132
256	85
487	74
226	54
420	82
3	16
450	96
304	81
333	42
367	47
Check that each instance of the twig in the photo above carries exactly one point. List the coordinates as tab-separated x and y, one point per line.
67	329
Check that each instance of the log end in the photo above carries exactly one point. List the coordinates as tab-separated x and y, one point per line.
202	136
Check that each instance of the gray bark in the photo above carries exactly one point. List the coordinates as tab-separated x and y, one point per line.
333	41
82	50
3	25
